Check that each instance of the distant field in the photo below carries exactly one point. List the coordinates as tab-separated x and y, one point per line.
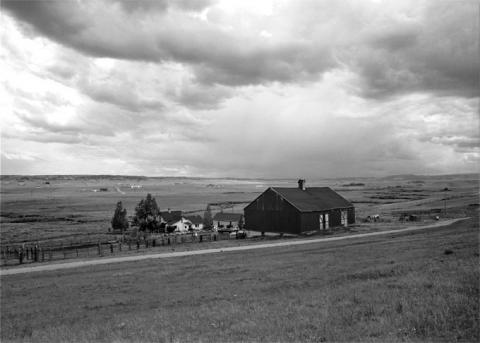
421	286
70	209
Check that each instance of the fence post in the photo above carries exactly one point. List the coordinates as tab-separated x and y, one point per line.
76	250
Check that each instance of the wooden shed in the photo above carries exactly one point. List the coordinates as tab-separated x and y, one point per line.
227	220
297	210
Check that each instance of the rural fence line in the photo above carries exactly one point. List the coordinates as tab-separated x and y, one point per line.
20	254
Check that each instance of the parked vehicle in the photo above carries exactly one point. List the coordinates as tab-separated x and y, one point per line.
241	234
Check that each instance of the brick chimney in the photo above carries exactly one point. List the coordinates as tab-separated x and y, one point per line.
301	184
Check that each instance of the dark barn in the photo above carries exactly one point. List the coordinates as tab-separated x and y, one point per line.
297	210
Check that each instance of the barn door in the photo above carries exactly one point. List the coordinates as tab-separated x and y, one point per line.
321	222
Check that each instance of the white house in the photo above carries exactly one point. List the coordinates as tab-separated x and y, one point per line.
197	222
181	226
227	221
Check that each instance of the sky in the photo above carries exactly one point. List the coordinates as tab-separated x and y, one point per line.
247	88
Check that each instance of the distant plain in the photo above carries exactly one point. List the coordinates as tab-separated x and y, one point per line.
74	208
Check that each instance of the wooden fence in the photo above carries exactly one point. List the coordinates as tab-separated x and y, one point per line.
20	254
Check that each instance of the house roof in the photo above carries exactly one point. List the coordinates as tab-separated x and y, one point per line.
313	198
195	219
172	216
228	217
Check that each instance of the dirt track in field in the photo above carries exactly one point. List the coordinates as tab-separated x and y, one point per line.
77	264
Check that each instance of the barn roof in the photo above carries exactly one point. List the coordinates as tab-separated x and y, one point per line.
313	198
171	216
228	217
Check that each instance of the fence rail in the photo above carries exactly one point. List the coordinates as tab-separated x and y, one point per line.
20	254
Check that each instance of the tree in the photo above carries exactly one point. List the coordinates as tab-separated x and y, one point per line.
147	214
119	221
207	218
241	223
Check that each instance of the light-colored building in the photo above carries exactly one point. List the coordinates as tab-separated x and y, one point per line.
227	221
197	222
181	226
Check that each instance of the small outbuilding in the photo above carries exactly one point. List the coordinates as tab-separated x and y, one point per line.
231	221
197	222
297	210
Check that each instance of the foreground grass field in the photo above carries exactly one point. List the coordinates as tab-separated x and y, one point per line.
423	286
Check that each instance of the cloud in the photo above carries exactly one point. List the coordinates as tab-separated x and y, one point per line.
425	52
460	142
395	48
197	96
275	89
120	94
163	5
216	55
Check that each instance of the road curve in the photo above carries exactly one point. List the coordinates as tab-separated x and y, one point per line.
76	264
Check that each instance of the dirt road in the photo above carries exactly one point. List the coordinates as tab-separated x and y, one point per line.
76	264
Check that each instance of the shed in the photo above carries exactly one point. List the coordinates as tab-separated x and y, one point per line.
227	220
297	210
197	222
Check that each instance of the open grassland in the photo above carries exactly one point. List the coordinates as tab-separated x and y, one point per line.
422	286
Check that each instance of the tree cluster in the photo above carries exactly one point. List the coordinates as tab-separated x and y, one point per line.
147	215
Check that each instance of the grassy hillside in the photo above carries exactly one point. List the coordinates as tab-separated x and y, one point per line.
422	286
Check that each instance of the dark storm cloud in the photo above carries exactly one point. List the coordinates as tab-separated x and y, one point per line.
435	51
217	56
85	29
